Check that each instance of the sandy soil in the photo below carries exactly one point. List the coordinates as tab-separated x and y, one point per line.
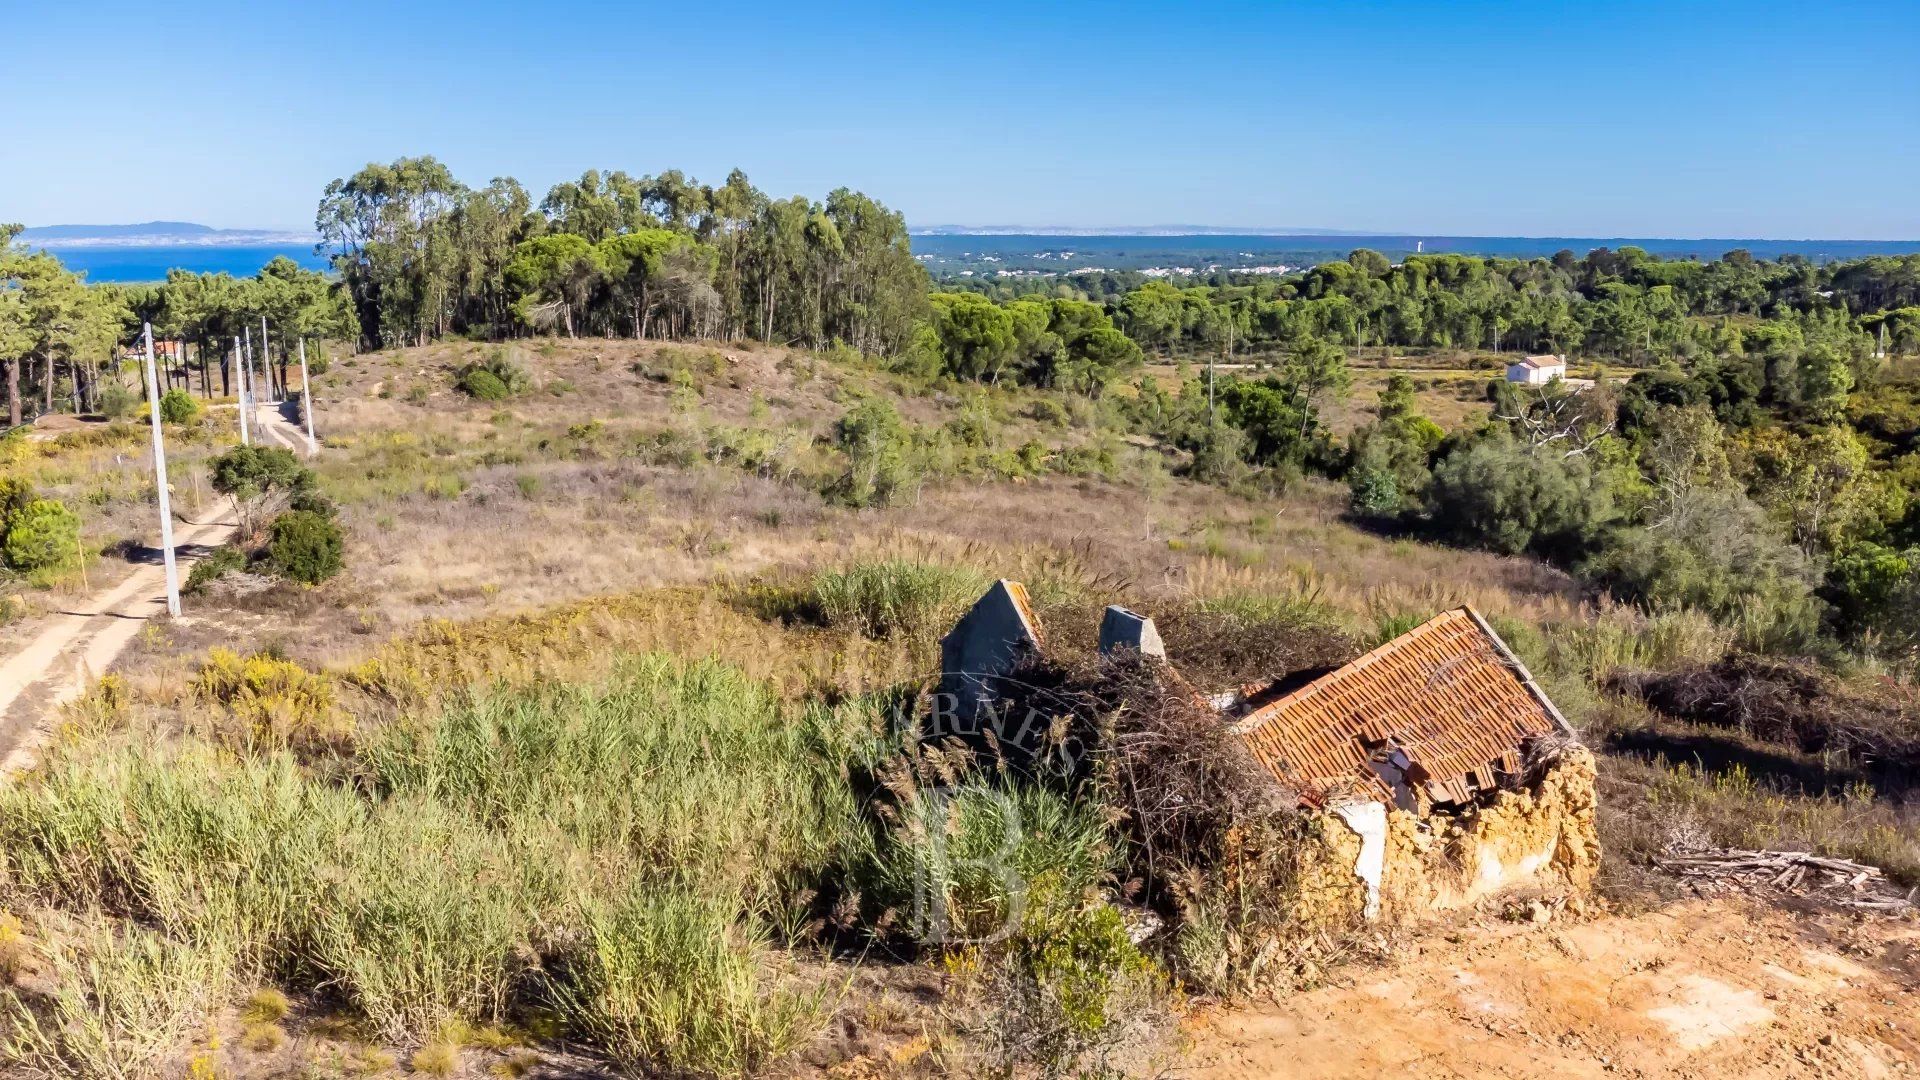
63	652
1726	988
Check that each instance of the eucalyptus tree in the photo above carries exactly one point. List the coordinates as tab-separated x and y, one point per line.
389	229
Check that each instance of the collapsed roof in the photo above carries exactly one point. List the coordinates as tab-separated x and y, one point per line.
1438	715
1435	717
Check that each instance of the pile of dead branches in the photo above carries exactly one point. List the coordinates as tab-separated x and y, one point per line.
1788	702
1839	882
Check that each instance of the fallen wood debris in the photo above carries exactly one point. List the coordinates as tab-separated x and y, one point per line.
1818	877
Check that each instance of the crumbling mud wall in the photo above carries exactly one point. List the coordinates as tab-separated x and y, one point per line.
1543	835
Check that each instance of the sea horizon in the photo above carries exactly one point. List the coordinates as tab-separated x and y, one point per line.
1043	252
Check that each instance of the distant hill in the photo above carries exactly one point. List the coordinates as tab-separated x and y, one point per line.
108	232
155	234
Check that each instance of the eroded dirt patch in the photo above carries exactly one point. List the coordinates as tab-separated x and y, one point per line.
1723	988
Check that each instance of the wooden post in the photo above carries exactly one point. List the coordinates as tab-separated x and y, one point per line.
306	399
160	477
244	439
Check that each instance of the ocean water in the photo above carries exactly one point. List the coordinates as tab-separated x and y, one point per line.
141	264
1038	252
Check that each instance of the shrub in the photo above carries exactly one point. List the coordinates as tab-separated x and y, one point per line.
1722	556
305	546
43	539
494	378
15	493
1375	492
878	446
1048	411
117	402
218	563
482	385
1497	494
178	407
258	478
1074	996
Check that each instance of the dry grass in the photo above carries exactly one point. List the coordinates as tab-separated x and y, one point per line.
654	499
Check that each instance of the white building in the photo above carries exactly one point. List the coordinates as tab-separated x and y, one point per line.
1537	370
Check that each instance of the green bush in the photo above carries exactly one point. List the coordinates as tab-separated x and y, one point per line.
1049	411
1498	494
117	402
257	477
305	547
15	493
1375	492
880	466
178	407
220	562
494	378
1071	994
43	539
1723	557
482	385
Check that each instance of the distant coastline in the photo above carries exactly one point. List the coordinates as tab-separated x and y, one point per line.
149	234
146	252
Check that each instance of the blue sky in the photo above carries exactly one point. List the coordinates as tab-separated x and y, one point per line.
1589	119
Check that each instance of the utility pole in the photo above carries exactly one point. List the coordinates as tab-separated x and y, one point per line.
240	363
1210	393
306	399
160	476
266	360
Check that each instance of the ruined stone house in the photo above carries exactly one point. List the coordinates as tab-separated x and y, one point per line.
1436	770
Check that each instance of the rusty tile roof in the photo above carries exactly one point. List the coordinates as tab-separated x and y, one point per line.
1448	693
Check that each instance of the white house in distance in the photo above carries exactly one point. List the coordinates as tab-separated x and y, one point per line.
1537	370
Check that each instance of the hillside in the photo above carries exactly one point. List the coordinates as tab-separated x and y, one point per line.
592	757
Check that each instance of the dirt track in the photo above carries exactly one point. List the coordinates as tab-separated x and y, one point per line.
1721	988
82	642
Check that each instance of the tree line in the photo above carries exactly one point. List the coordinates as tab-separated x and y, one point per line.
63	343
422	255
1622	304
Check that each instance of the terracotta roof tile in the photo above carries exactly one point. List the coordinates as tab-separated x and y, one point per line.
1448	693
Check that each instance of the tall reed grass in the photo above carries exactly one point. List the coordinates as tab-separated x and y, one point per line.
613	847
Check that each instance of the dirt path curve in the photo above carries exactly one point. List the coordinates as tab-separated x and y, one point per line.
91	635
1727	988
82	642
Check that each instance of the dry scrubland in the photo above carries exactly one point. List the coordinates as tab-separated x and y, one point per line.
586	763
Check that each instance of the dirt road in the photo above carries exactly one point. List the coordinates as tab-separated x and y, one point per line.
1726	988
81	642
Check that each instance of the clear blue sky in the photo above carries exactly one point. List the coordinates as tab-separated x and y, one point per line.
1592	119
